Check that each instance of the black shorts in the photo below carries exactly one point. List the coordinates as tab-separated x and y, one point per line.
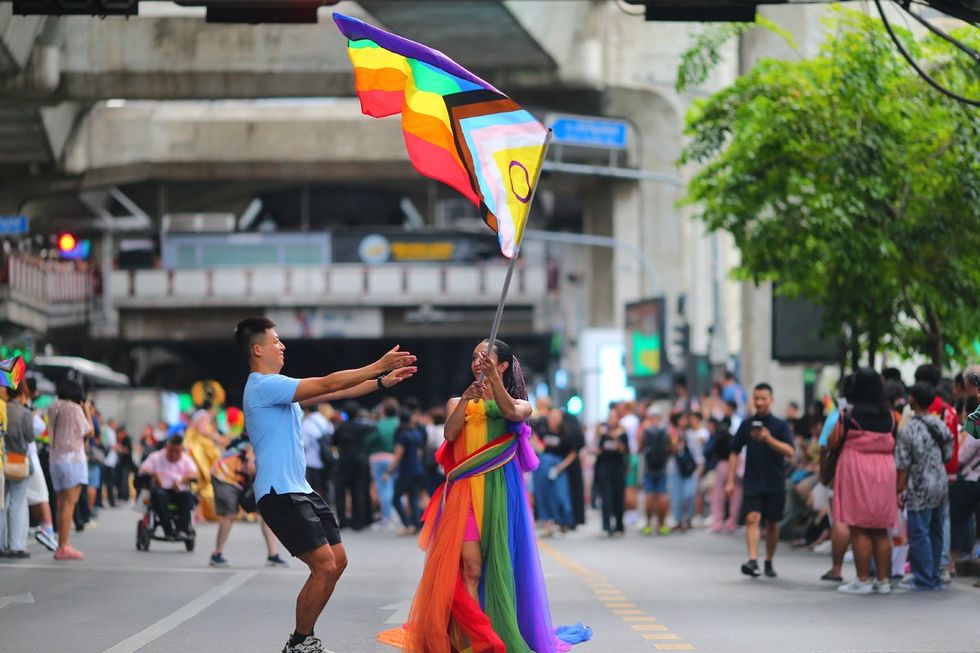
771	505
302	522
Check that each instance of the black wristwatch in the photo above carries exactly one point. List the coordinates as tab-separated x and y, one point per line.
381	385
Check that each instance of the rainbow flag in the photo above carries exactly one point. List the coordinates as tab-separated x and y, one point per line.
12	372
458	128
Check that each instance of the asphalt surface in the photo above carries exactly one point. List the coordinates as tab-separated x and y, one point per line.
678	592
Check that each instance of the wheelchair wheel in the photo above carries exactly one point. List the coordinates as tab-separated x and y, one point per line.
142	537
189	542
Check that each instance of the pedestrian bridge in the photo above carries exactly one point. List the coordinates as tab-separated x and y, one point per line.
53	69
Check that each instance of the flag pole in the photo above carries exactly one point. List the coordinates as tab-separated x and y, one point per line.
513	261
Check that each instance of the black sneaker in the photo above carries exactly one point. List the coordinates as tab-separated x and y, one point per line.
309	645
275	561
770	572
751	568
218	560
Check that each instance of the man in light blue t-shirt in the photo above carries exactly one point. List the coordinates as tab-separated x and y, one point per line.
297	515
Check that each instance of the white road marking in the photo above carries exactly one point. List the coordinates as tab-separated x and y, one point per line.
174	619
27	597
401	612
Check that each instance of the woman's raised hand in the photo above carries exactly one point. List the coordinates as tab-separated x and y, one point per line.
396	359
474	392
489	369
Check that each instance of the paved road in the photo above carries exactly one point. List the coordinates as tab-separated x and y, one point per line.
681	592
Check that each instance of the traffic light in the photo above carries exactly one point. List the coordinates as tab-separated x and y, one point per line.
66	243
574	405
682	338
70	247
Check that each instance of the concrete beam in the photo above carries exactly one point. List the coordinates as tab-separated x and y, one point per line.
230	139
182	57
17	37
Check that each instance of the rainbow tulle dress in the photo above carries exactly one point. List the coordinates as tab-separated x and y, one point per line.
486	466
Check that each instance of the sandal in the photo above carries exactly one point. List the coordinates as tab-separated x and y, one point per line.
832	578
68	553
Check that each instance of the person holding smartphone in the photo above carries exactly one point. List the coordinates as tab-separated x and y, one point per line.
769	444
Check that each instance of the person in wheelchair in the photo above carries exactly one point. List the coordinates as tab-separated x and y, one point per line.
170	471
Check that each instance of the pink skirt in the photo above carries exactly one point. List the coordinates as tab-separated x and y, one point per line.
472	532
864	484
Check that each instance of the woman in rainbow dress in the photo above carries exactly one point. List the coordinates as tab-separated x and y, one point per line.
482	589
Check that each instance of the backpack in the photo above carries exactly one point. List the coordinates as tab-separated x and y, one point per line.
656	449
685	462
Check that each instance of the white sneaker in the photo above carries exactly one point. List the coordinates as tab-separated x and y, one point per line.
856	587
946	577
882	586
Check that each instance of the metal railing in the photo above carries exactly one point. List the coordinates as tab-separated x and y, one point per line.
49	281
336	284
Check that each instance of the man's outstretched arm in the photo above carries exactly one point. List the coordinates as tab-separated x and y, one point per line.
366	387
314	387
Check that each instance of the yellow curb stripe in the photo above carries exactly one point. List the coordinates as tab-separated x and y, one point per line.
616	601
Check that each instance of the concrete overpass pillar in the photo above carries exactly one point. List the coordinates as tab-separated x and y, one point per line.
644	212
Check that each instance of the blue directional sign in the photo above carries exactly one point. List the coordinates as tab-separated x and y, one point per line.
13	225
585	131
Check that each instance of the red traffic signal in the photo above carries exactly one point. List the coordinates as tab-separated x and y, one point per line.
66	243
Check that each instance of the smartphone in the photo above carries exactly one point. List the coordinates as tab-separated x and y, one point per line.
757	425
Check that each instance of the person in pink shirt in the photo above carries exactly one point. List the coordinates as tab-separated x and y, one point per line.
171	469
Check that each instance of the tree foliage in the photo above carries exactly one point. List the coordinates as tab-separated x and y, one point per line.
845	179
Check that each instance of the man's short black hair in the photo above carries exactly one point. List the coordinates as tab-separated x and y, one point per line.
928	373
892	373
924	394
176	439
248	331
762	386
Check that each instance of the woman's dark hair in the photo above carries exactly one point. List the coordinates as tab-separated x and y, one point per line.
867	396
404	417
69	390
438	415
352	408
513	375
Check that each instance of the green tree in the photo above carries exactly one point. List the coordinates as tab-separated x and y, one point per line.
845	179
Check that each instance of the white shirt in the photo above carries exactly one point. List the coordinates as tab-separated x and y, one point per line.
314	427
631	423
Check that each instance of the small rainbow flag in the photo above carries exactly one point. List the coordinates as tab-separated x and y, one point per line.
12	372
458	128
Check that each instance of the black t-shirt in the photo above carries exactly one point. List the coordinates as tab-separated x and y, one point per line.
765	468
609	452
351	436
126	458
557	444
